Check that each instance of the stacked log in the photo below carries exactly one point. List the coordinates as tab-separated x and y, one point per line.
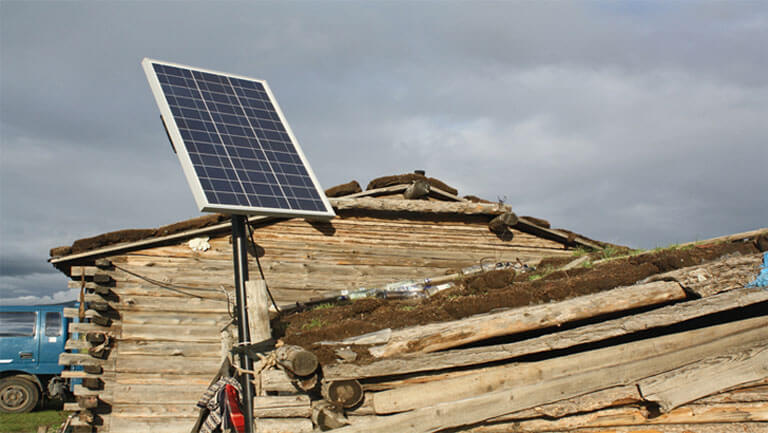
689	354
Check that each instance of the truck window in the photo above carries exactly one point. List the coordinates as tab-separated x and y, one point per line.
17	323
52	324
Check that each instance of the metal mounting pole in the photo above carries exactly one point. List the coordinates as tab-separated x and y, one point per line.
240	260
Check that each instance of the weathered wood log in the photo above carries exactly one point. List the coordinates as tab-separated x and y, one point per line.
102	263
736	427
342	393
609	418
282	406
531	227
283	425
87	401
93	369
102	278
418	189
708	376
751	392
502	223
89	327
170	348
99	306
421	206
661	317
132	424
327	416
96	338
439	336
730	238
82	359
715	277
258	310
297	359
489	404
92	383
103	291
670	351
605	398
274	380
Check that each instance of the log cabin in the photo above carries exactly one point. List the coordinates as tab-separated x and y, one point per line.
677	351
158	299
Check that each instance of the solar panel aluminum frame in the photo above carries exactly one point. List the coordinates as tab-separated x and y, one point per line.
186	162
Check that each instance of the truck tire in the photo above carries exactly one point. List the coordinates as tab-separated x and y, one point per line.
18	395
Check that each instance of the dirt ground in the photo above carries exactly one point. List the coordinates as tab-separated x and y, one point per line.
487	292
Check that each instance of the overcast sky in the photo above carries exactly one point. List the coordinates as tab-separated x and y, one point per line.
639	123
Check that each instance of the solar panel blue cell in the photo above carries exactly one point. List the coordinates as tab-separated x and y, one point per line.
237	150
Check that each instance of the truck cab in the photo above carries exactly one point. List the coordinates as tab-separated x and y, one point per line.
31	339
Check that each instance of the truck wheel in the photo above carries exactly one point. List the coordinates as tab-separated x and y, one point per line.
18	395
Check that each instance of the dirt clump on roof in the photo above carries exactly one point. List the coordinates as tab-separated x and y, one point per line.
404	179
120	236
192	224
344	189
494	290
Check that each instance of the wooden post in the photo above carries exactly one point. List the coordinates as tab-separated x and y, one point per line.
258	310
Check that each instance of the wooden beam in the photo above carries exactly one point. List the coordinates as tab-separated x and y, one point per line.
393	189
419	206
676	350
113	249
625	416
276	381
708	376
283	425
730	238
604	398
489	404
715	277
529	226
445	335
287	406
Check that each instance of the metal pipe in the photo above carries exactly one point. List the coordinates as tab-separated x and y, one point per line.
240	262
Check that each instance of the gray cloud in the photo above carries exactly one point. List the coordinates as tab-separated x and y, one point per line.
641	123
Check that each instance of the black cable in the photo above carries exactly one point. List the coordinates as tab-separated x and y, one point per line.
258	263
168	286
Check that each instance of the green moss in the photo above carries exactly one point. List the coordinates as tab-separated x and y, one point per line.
314	323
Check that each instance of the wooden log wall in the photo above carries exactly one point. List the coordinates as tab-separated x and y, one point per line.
162	345
302	261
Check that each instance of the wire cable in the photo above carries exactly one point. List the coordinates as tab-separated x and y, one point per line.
171	287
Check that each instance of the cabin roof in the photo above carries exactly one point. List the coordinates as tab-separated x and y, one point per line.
383	194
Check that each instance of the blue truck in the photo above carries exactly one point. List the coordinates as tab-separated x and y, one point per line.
31	339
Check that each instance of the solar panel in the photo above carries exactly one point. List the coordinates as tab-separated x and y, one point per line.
235	147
